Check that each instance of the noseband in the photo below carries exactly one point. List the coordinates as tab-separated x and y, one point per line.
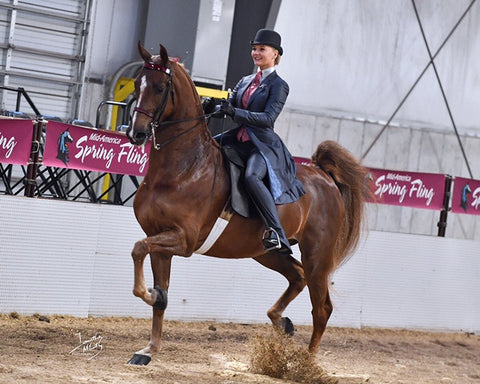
156	123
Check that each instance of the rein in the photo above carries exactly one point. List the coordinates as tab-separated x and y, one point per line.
155	123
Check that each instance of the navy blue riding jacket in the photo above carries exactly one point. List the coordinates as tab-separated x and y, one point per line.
259	117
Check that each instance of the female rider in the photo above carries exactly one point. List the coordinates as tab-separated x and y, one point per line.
255	103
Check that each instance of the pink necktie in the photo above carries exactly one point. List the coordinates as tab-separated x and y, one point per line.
242	134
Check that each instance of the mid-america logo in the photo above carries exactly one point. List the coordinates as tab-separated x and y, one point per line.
465	198
63	153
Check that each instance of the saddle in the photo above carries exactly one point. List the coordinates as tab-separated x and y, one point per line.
240	199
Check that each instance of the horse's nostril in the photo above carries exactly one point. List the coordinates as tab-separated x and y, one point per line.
140	137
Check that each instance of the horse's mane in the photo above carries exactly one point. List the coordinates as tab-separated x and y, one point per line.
180	73
179	68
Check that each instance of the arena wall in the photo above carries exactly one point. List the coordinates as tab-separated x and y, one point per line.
72	258
398	148
349	66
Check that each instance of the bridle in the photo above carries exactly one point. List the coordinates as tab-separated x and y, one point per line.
155	122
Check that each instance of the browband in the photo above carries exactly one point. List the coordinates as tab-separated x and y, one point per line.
157	67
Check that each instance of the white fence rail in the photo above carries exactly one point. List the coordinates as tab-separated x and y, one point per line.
69	258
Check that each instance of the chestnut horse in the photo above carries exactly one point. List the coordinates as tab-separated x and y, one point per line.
187	187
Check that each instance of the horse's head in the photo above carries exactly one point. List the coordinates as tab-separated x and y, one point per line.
153	87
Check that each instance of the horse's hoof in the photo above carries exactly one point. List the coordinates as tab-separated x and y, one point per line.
288	326
139	359
161	300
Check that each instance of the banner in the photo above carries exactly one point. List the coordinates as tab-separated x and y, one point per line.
409	189
466	196
15	141
302	160
70	146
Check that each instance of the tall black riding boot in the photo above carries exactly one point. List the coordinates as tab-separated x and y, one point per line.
274	236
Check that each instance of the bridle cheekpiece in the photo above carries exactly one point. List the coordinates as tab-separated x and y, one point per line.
155	123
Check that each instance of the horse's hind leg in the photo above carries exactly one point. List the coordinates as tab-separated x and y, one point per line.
293	272
317	281
321	313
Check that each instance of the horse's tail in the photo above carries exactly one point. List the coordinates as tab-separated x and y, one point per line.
351	179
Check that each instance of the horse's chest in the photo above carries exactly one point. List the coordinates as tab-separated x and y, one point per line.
157	206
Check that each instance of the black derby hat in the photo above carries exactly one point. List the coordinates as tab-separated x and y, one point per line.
270	38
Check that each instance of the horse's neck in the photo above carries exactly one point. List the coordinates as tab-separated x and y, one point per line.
188	160
194	149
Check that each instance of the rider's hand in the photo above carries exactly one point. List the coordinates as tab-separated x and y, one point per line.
208	105
227	108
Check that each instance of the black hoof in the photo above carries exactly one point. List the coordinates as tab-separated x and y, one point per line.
288	326
138	359
162	299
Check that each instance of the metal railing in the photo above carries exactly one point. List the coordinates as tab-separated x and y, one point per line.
36	180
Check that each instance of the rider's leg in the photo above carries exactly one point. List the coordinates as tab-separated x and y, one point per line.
255	172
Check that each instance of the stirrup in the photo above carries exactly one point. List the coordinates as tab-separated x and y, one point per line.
267	244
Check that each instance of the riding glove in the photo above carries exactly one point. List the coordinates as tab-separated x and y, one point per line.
227	108
208	105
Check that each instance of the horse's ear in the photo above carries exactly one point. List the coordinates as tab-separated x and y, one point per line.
163	55
143	52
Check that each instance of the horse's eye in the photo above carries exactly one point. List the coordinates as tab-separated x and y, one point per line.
158	88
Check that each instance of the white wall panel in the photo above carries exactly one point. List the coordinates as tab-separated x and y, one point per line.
46	266
74	258
360	58
421	282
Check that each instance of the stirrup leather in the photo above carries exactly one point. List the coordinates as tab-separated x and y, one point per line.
265	239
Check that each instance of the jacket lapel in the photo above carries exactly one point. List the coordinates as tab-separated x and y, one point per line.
264	85
243	87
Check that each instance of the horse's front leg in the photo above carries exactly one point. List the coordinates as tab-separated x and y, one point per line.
156	297
161	266
166	243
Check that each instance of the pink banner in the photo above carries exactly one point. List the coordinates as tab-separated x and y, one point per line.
409	189
302	160
15	141
466	196
70	146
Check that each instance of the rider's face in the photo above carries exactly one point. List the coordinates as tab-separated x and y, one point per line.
264	56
